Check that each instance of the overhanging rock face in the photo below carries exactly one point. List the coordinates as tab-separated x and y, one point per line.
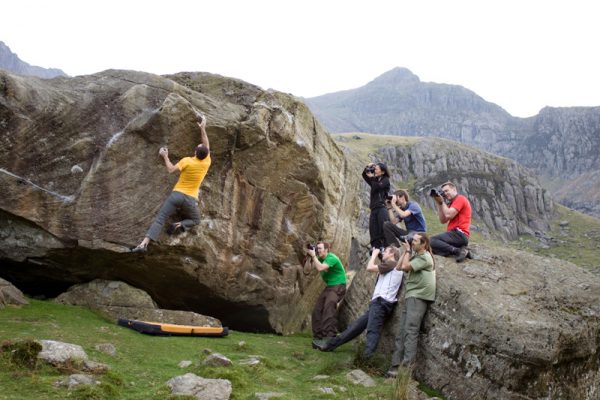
82	181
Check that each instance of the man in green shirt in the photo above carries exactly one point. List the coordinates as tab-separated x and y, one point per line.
420	292
324	315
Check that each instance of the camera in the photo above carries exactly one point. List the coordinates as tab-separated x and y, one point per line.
406	238
370	169
389	197
380	255
311	246
437	193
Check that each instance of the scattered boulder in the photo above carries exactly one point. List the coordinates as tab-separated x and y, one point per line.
252	360
201	388
217	360
184	364
75	380
59	353
115	299
107	348
327	390
94	367
359	377
9	294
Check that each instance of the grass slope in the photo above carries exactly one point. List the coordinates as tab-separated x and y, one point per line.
144	364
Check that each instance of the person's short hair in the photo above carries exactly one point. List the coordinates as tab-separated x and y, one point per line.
396	252
201	152
452	185
325	245
402	193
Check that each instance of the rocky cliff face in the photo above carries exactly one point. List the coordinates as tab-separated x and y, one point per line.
506	198
559	144
508	325
10	62
82	181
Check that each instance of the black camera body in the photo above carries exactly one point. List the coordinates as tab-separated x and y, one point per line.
311	246
370	169
380	255
389	197
406	238
437	193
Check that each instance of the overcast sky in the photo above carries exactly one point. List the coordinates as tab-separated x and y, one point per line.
521	55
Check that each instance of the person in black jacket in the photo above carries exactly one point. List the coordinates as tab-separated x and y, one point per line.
378	177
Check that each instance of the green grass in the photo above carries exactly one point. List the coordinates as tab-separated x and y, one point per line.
144	364
578	242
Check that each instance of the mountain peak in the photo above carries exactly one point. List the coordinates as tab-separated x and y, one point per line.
395	76
10	62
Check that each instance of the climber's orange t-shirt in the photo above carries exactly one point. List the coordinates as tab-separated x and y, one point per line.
192	173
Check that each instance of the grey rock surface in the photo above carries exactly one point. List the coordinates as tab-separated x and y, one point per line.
277	181
57	353
116	300
508	324
9	294
201	388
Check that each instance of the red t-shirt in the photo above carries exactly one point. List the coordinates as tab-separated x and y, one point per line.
462	220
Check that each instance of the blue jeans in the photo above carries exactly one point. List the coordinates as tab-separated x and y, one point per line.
379	310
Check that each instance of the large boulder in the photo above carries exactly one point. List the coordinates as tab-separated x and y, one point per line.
508	325
117	300
9	294
82	182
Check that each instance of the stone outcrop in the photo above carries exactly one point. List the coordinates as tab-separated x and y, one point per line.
505	197
559	144
82	182
9	294
10	62
507	325
116	300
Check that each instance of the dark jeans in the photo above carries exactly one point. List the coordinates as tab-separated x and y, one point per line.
448	243
379	310
177	202
324	315
376	220
410	323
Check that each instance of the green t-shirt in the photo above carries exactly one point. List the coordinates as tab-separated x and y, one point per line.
421	280
335	275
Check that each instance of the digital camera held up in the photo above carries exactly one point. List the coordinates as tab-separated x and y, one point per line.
437	193
370	169
311	246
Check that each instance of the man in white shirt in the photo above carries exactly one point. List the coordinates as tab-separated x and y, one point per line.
381	306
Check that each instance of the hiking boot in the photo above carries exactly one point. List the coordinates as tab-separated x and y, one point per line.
317	342
462	254
392	372
139	249
324	345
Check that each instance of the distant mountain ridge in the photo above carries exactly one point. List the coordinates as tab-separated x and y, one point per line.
10	62
559	144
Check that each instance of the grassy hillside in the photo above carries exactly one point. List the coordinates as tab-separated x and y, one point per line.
573	237
143	364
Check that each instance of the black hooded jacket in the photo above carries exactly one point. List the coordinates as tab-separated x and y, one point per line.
380	187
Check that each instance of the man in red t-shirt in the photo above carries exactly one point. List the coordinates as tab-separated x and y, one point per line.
457	213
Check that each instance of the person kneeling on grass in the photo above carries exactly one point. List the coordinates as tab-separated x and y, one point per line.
381	306
420	292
